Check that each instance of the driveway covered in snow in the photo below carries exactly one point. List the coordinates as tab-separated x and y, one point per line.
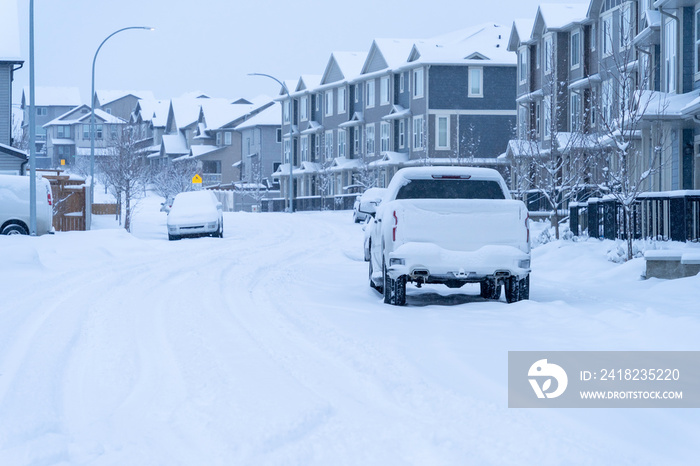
269	347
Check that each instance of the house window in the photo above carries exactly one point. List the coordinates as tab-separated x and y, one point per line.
538	112
522	65
358	90
304	148
607	35
670	55
319	98
575	49
285	111
98	131
287	147
594	106
548	54
443	132
370	94
625	25
418	83
384	135
537	56
42	111
63	132
304	110
369	139
402	134
211	166
356	140
329	102
384	90
547	118
607	101
113	132
227	138
476	81
575	111
329	144
342	142
594	30
401	82
342	103
316	153
278	134
522	122
418	132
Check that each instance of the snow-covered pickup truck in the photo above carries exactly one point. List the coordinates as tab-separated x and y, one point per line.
450	225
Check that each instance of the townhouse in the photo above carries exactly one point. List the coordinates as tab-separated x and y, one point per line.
11	160
446	100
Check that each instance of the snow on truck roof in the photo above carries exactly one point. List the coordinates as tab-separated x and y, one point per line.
405	175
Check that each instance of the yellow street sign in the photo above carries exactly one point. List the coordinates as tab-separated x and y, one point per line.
63	161
197	179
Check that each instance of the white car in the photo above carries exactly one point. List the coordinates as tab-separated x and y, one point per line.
195	213
14	205
370	199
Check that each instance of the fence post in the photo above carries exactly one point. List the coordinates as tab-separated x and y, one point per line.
573	218
593	218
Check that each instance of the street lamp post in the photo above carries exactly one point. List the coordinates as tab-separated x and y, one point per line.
92	110
32	127
291	146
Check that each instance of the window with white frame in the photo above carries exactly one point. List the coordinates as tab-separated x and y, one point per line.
342	101
328	140
319	99
401	82
547	117
304	148
304	108
329	102
418	83
287	147
522	121
218	139
548	54
575	49
522	65
227	138
418	136
670	55
278	135
607	39
626	32
358	92
402	133
285	111
384	90
356	140
384	136
476	81
342	142
442	132
594	30
606	106
575	107
369	138
537	56
625	93
538	115
594	106
369	103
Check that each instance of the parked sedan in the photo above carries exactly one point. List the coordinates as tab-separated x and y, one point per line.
372	196
195	213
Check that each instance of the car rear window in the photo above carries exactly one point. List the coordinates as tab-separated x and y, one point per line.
451	189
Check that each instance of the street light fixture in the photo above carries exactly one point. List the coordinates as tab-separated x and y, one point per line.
92	112
290	188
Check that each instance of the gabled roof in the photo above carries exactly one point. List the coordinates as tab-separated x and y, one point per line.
343	66
107	97
558	16
271	116
307	82
220	113
183	112
82	114
9	32
387	54
174	144
14	152
52	96
520	33
155	111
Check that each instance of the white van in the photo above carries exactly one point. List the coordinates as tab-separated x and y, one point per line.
14	205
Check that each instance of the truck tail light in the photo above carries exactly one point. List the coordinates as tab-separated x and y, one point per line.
396	223
527	226
48	197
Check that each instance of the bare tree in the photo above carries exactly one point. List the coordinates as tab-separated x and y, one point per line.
173	178
471	141
20	138
253	184
125	170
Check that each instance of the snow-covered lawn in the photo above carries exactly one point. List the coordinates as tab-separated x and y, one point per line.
268	347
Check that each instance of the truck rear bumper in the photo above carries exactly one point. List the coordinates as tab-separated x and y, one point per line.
432	264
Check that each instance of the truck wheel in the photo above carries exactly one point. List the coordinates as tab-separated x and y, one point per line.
525	288
512	289
371	282
14	229
388	285
399	294
489	289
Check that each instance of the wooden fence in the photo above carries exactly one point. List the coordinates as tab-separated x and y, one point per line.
104	209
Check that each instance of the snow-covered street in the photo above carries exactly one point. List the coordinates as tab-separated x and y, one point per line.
269	347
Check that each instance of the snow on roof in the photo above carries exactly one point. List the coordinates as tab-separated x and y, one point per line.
666	106
155	111
522	30
194	95
175	144
394	51
53	96
344	163
307	82
9	31
349	63
561	15
271	116
485	42
185	111
106	97
202	149
98	151
82	114
221	112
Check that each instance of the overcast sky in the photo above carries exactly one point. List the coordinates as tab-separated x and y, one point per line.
211	45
